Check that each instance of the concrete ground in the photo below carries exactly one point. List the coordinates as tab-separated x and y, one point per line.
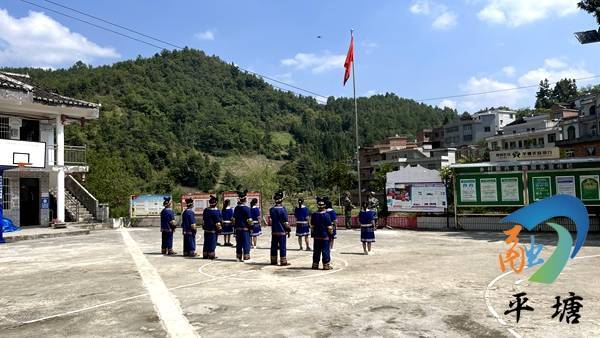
417	284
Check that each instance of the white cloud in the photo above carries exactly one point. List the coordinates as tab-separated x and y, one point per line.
207	35
553	75
518	12
555	63
371	92
553	69
445	21
443	17
317	63
420	7
447	104
509	71
38	40
500	94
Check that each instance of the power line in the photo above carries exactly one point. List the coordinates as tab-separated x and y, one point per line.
158	40
93	24
113	24
495	91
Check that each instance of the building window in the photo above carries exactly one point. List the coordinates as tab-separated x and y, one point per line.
4	128
495	145
520	144
6	194
569	153
505	145
593	110
551	138
514	131
571	133
468	138
593	130
590	151
541	141
513	145
487	129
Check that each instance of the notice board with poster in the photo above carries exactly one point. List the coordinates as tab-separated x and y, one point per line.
417	197
141	206
232	196
415	189
200	202
581	183
489	189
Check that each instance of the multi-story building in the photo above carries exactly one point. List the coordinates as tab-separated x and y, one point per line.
527	138
35	164
580	136
431	136
477	127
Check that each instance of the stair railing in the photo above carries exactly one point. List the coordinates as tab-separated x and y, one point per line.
82	195
72	201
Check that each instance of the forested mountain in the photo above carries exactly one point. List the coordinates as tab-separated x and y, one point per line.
164	119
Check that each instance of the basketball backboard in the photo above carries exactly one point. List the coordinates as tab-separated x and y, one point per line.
14	152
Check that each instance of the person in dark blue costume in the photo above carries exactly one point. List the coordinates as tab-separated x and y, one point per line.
333	217
322	229
211	225
167	228
366	219
256	228
188	227
280	230
227	229
302	228
243	227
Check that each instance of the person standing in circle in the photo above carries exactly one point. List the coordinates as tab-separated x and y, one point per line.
367	227
227	230
256	229
302	228
188	227
322	230
333	217
211	225
242	224
280	230
167	227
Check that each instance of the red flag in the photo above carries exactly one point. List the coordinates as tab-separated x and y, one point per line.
349	61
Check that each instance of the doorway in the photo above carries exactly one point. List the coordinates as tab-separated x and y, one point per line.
30	130
29	198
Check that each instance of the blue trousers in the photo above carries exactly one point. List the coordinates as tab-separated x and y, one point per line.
242	242
167	240
321	246
278	242
189	243
210	243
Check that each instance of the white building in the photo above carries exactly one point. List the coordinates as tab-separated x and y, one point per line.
476	128
32	134
426	157
528	138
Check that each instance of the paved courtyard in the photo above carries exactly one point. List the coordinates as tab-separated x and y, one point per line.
416	284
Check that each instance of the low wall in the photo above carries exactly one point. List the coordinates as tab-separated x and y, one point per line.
492	223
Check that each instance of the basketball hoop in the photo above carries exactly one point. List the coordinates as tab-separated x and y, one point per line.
22	165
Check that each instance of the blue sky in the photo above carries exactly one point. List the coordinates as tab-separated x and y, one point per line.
415	48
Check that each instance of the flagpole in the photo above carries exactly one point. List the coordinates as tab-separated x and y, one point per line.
356	123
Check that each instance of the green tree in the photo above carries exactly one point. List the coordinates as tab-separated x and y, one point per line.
543	99
592	7
565	90
230	182
341	176
380	176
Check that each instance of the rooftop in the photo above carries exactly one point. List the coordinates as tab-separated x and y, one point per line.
23	82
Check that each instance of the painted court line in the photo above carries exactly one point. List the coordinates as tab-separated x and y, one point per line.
489	303
166	305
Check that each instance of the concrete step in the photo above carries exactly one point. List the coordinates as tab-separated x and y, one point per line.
27	233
